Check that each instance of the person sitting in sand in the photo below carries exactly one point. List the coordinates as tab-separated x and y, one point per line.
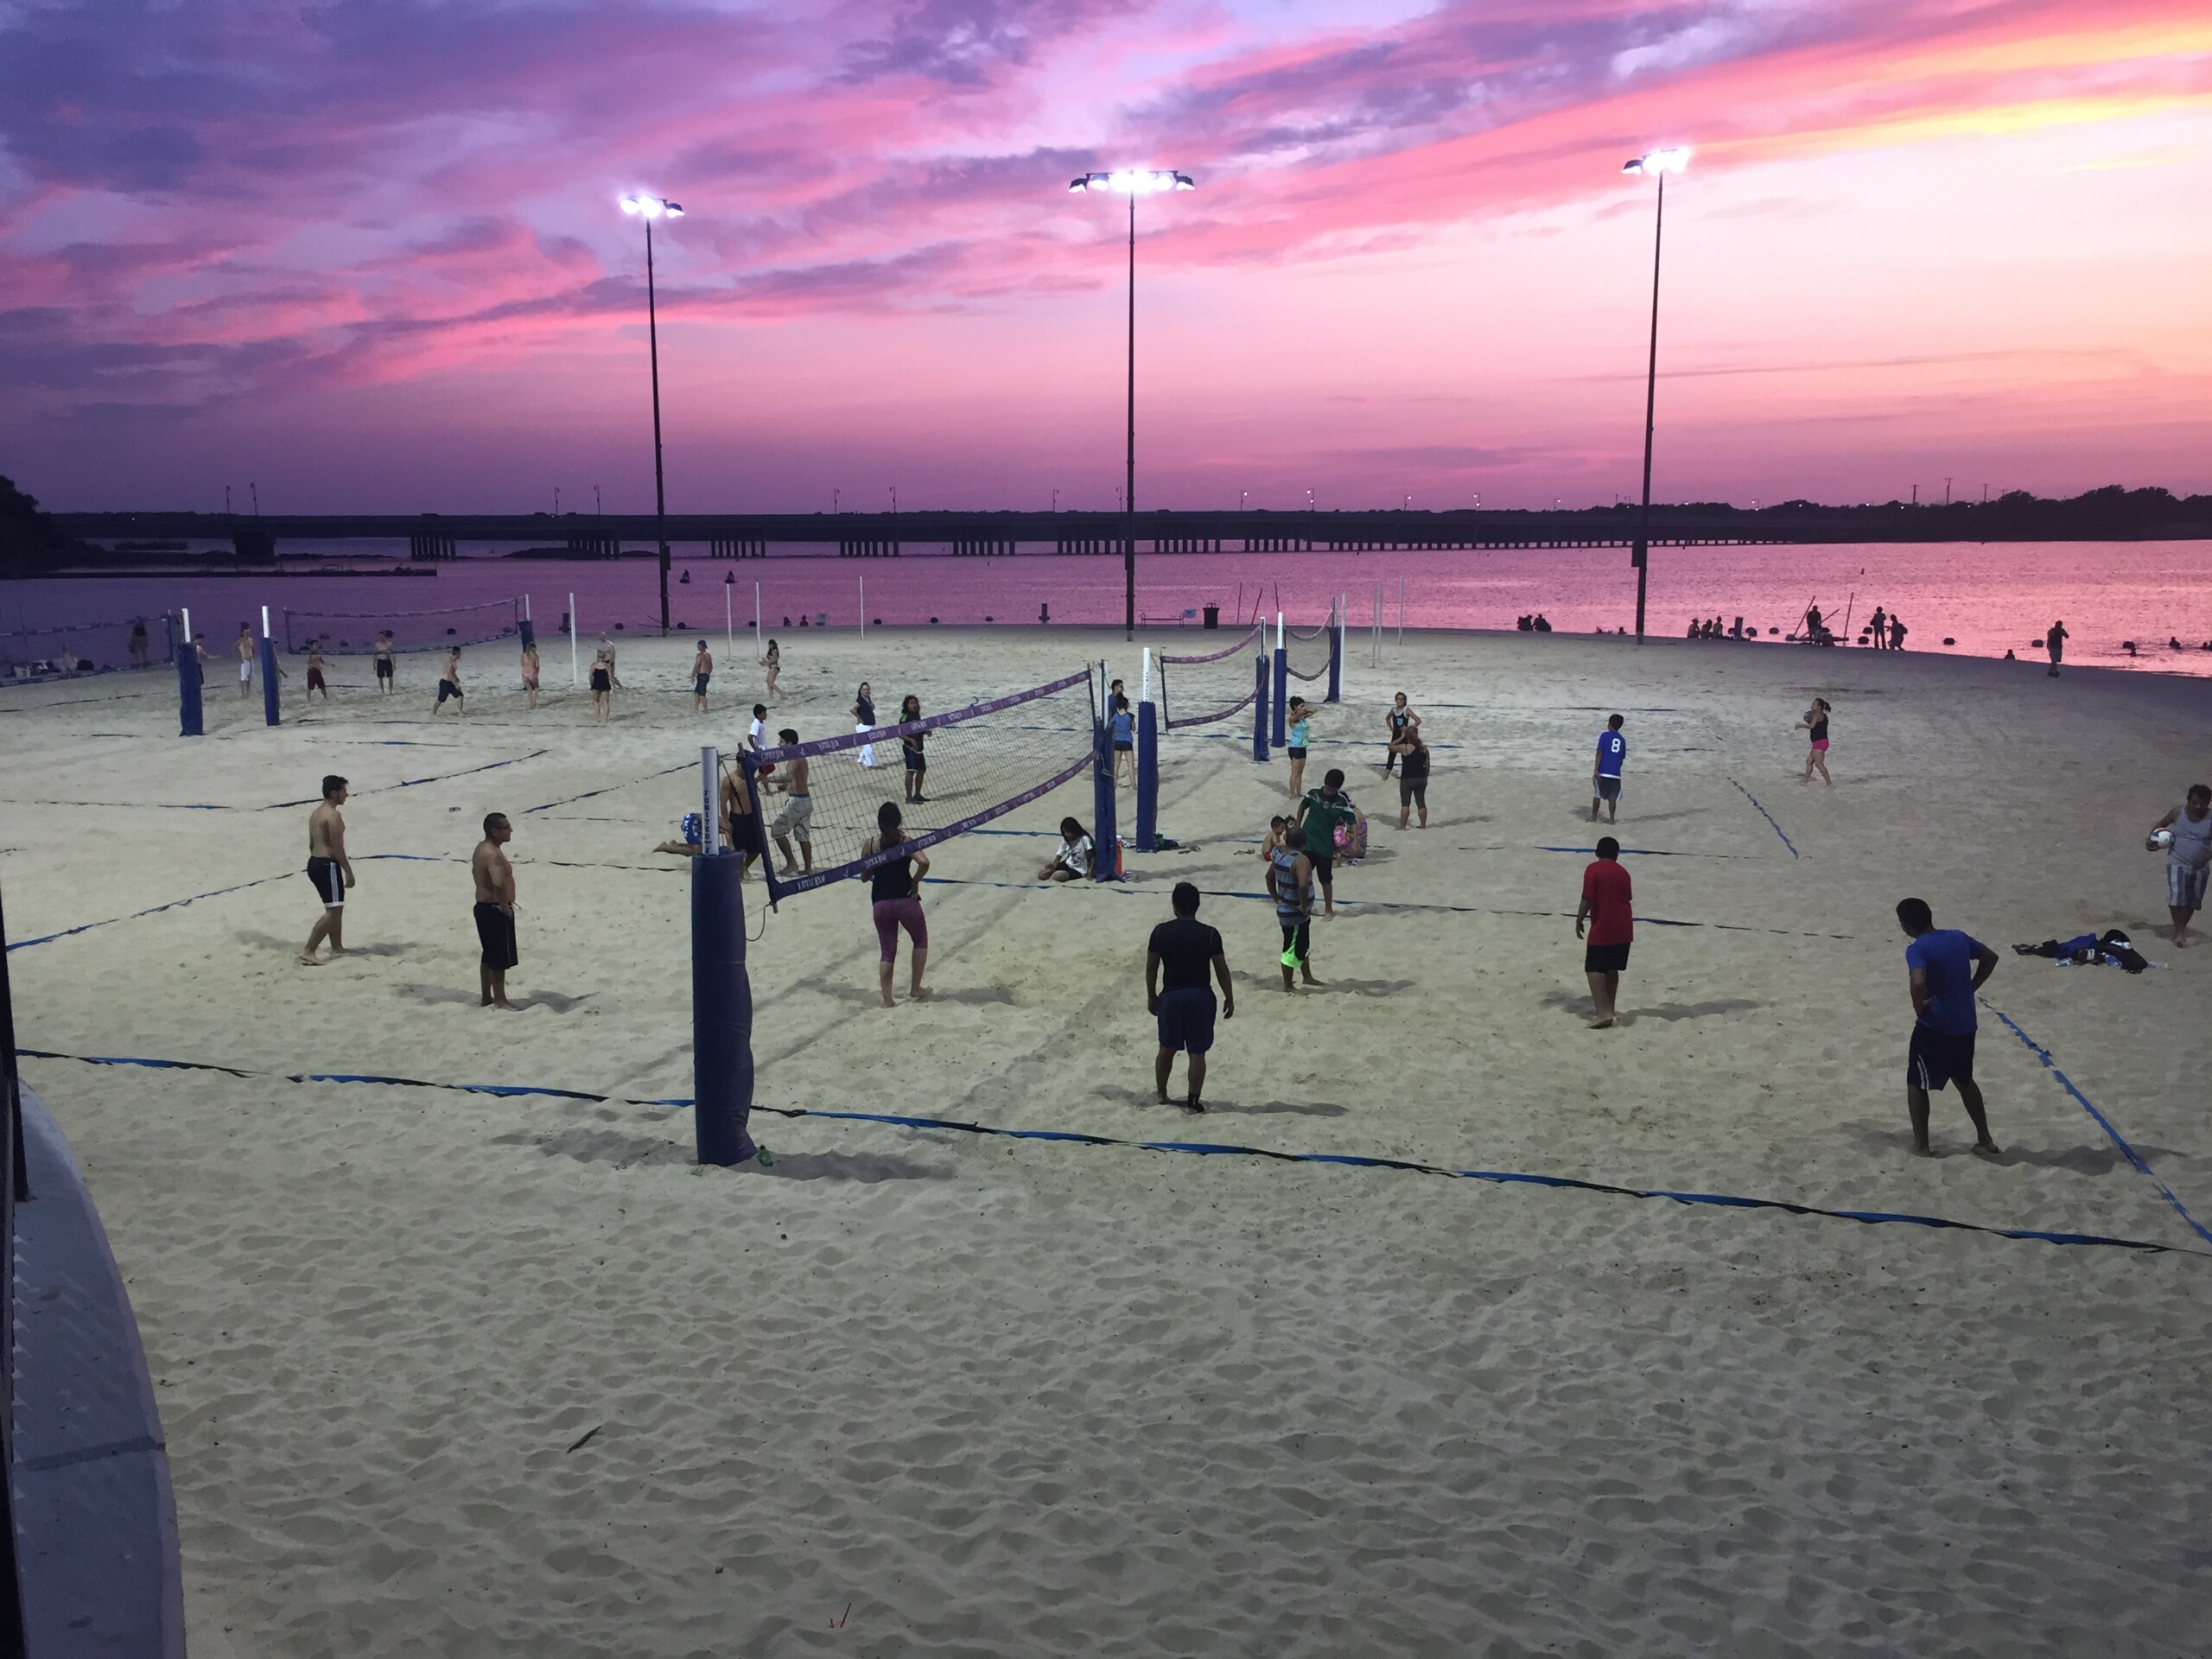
1185	948
1278	827
1944	968
896	896
734	818
449	685
1071	860
796	821
2188	848
330	870
495	909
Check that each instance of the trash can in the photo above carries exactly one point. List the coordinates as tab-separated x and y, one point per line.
1212	617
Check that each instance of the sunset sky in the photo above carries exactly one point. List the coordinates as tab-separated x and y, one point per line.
369	256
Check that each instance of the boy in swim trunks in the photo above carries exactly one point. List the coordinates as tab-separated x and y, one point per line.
384	661
796	821
1606	775
316	682
449	685
1290	877
330	870
703	670
495	909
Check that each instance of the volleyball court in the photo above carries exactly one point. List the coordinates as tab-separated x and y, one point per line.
1200	691
344	634
64	652
982	762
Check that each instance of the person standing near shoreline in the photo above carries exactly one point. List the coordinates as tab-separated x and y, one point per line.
495	909
2054	641
330	870
703	670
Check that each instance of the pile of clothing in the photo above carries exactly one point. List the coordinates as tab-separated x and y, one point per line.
2111	949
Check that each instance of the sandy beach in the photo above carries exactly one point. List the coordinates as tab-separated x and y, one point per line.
463	1373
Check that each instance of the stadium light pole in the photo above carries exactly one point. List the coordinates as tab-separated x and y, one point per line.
650	208
1132	183
1658	163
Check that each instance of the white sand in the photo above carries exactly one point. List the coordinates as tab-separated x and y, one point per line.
931	1393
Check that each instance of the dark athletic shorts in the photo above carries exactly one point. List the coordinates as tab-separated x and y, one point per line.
1323	869
330	882
1297	753
495	931
1609	789
384	668
1122	745
447	689
916	761
1186	1019
1414	791
600	682
1604	958
1937	1058
699	684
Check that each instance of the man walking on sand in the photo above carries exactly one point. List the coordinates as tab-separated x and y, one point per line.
2055	643
1290	877
703	671
1944	968
1185	948
2189	858
330	870
449	685
495	909
1606	775
1324	811
1608	909
242	648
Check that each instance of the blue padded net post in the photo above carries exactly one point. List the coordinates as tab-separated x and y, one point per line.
190	719
529	630
1101	805
1147	776
721	1010
1336	654
269	709
1260	708
1282	695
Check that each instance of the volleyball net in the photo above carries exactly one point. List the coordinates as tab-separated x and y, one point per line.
1196	691
979	763
1308	652
72	649
355	632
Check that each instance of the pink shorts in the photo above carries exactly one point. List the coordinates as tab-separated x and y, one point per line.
891	915
1821	744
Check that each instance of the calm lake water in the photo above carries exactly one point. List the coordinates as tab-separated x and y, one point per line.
1987	598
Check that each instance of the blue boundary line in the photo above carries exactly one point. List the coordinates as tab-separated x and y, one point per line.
1768	816
1206	1148
2103	1123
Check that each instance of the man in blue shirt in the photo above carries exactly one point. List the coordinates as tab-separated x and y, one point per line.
1606	775
1946	968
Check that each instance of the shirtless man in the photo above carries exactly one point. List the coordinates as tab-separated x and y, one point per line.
795	822
495	909
449	685
242	648
330	870
384	661
703	670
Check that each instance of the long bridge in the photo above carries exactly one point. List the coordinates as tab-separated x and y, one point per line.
880	535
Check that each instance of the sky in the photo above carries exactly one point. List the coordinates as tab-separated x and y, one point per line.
366	255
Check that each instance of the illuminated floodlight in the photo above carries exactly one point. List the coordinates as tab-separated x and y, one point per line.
1134	182
652	206
1660	162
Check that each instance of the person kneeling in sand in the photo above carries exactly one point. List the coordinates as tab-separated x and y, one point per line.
495	909
1072	862
1186	947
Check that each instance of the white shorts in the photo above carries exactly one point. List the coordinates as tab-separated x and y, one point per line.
867	750
245	669
796	820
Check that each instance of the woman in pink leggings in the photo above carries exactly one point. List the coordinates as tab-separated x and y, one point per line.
896	886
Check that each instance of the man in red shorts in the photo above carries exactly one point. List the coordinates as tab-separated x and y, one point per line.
1608	910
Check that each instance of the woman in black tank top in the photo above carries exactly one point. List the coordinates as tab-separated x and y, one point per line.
894	892
1816	757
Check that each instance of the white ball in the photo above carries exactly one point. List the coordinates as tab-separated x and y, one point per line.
2162	839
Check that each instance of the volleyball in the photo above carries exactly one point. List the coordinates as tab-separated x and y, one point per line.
2162	839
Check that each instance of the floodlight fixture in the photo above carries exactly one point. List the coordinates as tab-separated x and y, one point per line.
1134	182
1659	162
652	208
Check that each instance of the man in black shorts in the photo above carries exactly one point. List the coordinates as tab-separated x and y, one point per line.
495	909
1185	948
330	870
1944	968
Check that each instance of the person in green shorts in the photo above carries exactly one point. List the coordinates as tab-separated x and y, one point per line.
1324	810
